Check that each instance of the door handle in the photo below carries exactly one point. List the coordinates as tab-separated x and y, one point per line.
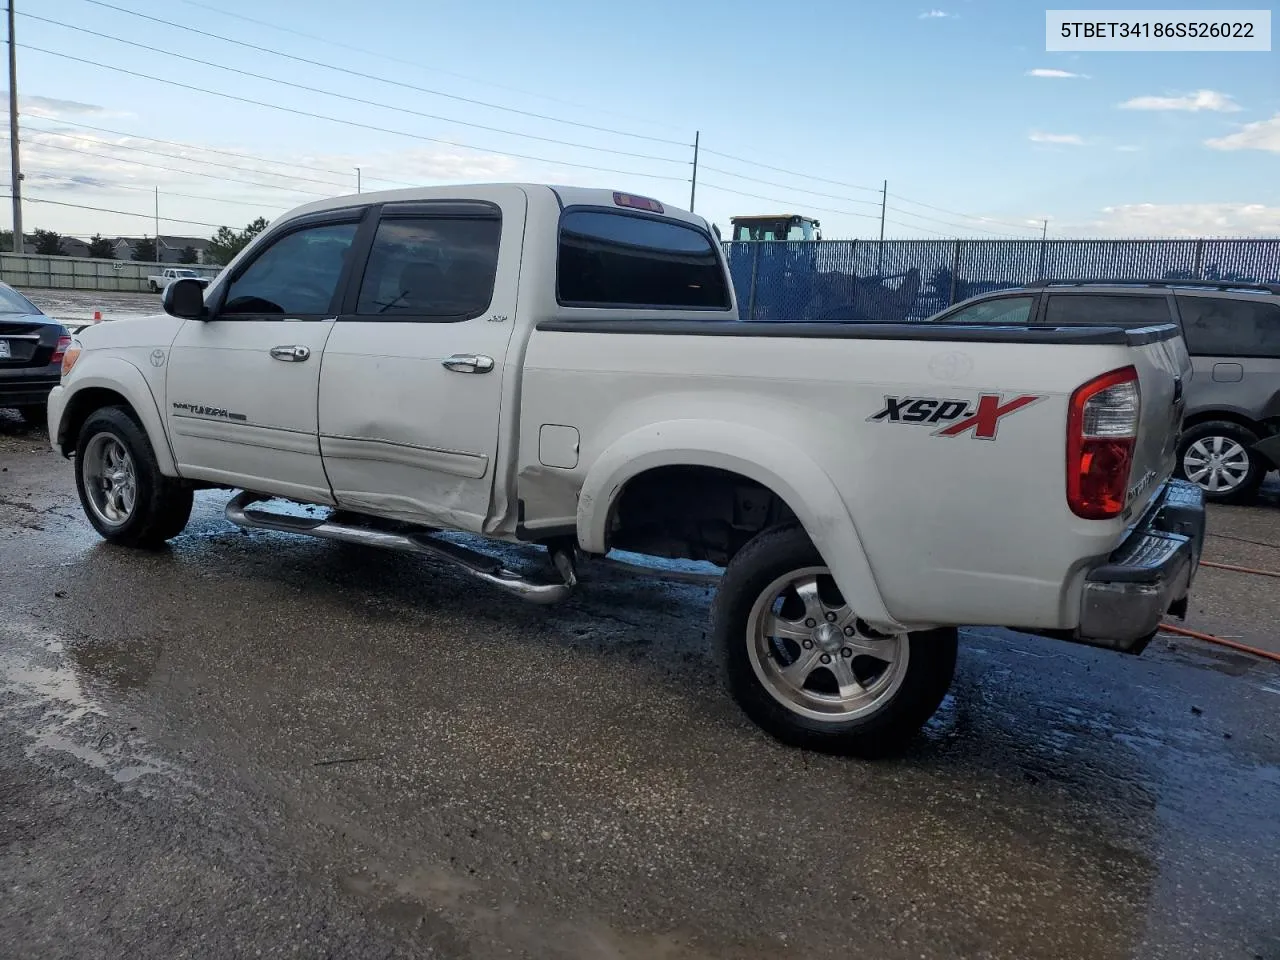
468	363
293	353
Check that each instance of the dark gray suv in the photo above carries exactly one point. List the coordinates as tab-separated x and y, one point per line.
1231	434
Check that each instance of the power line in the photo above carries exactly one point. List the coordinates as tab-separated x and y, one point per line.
753	196
292	164
386	57
348	123
957	213
788	186
328	93
122	213
171	156
948	223
790	173
191	173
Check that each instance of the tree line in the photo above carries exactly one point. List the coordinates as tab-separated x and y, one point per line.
221	249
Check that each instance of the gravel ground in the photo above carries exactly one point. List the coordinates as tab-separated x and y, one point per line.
251	744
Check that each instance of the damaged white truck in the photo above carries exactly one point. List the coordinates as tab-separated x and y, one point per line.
566	367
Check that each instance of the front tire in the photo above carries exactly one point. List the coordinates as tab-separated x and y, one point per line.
807	669
122	491
1218	457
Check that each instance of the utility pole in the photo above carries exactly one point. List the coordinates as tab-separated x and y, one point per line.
1044	235
157	223
1045	232
693	187
884	202
358	185
15	187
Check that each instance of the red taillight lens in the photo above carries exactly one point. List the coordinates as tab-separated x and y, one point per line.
60	350
1102	430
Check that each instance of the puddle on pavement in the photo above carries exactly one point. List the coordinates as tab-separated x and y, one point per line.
56	691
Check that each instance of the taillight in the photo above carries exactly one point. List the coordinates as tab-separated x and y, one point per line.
71	354
1102	430
60	349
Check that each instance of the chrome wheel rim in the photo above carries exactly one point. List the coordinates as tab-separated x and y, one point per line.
110	479
1218	464
815	656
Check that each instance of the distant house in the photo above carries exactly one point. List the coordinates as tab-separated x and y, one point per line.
171	248
168	249
71	246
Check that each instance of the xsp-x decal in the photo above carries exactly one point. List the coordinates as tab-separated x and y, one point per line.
953	417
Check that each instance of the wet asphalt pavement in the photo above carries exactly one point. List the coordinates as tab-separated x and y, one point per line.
252	744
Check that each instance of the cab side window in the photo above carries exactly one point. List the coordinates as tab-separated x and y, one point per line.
297	275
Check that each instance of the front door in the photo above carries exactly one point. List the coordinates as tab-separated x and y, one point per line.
411	390
242	386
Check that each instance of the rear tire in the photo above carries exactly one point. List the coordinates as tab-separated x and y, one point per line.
806	669
122	491
1220	453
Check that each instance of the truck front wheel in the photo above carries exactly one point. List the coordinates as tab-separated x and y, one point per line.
807	669
123	493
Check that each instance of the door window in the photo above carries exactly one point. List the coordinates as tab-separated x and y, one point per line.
1003	310
1101	310
1222	327
615	260
297	275
432	268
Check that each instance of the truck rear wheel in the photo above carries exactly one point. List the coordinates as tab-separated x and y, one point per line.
122	491
807	669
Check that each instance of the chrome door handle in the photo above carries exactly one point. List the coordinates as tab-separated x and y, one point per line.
293	353
468	363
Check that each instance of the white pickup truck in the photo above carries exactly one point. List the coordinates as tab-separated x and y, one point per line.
159	282
565	367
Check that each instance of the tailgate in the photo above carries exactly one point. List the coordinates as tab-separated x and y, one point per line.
1164	368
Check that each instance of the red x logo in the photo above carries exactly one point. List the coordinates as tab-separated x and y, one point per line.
984	421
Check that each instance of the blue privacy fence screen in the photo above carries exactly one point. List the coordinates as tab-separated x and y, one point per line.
913	279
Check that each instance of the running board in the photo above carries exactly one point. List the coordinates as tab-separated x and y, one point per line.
478	565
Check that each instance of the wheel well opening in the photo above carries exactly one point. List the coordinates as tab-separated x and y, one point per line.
1209	416
82	405
693	513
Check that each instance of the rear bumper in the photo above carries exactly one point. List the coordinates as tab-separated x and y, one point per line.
20	388
1148	576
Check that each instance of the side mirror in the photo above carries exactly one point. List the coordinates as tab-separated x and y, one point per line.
185	298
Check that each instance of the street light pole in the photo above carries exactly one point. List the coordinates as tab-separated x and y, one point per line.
15	167
358	186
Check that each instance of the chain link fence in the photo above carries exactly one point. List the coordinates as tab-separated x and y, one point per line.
898	280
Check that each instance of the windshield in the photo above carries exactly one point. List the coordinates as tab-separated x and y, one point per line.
11	301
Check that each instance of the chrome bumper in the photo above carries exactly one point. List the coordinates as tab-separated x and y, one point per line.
1148	576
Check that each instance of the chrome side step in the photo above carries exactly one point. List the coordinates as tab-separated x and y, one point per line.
478	565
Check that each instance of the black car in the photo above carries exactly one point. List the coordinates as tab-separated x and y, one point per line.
31	349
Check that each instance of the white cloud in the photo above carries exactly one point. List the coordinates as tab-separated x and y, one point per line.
1066	139
1050	73
1191	102
1127	148
51	108
938	15
1182	220
1259	135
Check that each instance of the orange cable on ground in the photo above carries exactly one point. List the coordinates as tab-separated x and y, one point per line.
1209	638
1221	641
1229	566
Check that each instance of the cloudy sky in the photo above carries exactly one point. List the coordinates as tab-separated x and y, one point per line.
238	109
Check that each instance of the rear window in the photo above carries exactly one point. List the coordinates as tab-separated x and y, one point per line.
1221	327
1102	310
617	260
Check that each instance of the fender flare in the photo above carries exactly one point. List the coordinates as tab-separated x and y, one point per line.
758	455
122	377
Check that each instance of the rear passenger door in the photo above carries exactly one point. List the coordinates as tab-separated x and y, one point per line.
1235	350
1107	310
412	383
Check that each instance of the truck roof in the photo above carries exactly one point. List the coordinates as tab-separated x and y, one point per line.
567	197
